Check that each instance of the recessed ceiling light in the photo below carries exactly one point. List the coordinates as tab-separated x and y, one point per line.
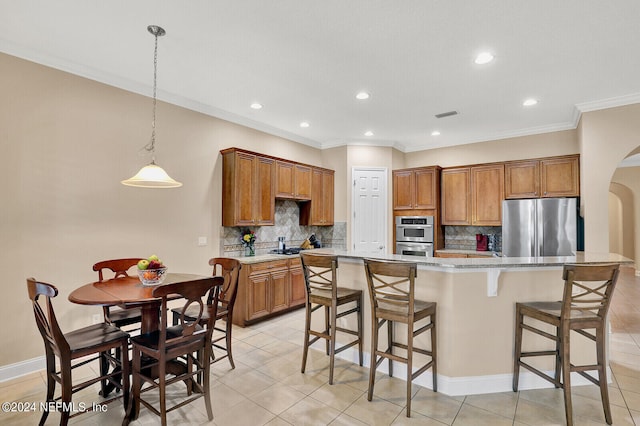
435	133
368	133
530	102
362	96
304	124
484	58
256	105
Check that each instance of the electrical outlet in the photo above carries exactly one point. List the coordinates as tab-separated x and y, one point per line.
96	319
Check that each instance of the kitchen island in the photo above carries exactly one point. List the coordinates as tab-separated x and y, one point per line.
476	314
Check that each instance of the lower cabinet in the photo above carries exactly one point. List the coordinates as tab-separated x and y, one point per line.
268	288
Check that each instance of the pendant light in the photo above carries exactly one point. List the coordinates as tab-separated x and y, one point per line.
152	175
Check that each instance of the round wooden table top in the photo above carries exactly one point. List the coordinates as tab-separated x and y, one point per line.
125	291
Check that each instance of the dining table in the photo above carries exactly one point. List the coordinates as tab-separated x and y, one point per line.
129	292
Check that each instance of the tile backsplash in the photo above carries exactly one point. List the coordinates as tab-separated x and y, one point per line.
464	237
287	224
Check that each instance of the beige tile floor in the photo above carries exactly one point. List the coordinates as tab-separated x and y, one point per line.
267	388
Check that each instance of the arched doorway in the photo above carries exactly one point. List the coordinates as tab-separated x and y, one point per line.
624	207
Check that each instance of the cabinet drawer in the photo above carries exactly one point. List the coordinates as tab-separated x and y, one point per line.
268	266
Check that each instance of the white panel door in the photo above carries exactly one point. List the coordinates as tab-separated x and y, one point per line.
369	218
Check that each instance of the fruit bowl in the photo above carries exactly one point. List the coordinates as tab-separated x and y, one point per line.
152	276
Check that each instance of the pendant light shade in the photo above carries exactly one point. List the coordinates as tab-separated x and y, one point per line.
152	175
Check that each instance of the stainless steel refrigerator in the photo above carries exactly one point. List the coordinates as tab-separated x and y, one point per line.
539	227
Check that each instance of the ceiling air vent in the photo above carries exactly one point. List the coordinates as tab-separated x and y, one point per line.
446	114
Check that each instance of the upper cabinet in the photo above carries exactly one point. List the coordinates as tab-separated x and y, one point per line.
248	195
251	182
546	177
487	193
319	211
473	195
293	180
416	189
456	196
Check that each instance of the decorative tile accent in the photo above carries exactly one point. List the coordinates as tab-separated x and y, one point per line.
464	237
287	224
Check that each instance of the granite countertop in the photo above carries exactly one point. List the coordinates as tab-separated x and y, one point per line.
460	263
473	252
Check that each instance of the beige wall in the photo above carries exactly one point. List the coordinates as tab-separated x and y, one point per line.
67	142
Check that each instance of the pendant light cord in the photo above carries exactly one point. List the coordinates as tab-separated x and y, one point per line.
150	147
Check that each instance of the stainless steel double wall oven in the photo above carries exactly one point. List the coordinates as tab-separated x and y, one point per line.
414	235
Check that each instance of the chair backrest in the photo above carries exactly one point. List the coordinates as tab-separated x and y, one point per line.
193	293
118	266
54	340
588	288
229	269
391	285
319	273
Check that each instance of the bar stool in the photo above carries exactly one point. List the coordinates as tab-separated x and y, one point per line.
322	290
392	289
588	290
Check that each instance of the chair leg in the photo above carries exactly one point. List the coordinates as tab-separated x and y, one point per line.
205	382
390	344
124	359
409	366
602	374
136	382
558	358
517	348
360	327
305	348
332	342
327	326
229	326
374	356
566	373
65	373
434	354
104	370
51	383
162	387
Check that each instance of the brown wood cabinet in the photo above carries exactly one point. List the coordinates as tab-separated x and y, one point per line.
268	288
473	195
487	193
248	195
545	177
415	189
319	211
293	181
456	196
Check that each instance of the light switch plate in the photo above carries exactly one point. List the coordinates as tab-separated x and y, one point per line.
202	241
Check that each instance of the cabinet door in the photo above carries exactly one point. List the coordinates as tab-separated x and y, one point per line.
258	296
522	179
403	189
425	189
284	179
265	208
297	286
327	198
456	200
245	175
560	177
279	289
302	182
487	193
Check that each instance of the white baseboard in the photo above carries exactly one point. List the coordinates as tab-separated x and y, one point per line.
13	371
470	385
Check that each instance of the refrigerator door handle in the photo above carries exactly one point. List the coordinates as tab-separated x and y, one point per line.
539	237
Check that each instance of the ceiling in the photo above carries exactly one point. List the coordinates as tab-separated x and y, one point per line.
305	60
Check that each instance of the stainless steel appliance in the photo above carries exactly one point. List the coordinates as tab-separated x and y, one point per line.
539	227
414	235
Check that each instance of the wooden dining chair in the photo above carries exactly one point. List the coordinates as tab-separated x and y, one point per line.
322	290
97	339
229	269
392	295
188	339
588	290
119	267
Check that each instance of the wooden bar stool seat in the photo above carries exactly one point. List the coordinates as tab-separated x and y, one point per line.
321	288
392	294
588	290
